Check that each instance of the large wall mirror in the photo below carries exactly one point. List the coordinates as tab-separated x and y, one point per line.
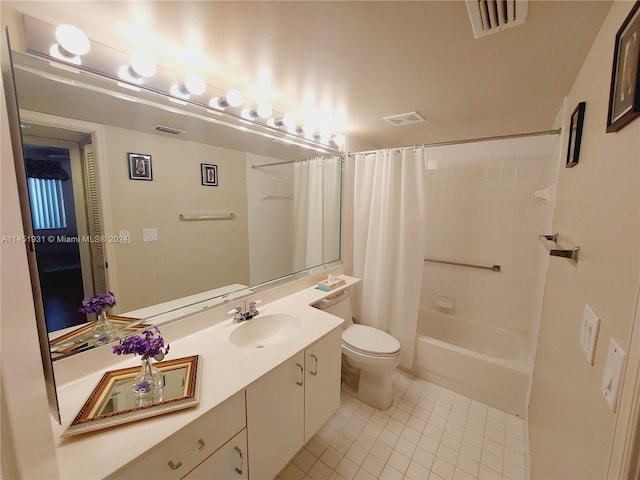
163	204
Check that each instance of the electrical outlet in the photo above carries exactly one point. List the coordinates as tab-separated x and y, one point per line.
124	236
589	333
149	234
612	374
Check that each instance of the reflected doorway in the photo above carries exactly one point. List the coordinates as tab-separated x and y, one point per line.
56	167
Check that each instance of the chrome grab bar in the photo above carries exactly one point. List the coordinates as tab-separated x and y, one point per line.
495	268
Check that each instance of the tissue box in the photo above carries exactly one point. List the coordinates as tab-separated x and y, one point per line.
328	285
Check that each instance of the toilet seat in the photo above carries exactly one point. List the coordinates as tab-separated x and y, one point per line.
370	341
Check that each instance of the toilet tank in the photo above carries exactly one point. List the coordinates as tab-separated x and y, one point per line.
340	306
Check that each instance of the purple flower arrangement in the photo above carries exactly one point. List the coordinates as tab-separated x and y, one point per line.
147	344
98	303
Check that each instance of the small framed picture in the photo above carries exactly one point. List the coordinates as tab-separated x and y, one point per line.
209	174
575	135
140	166
624	95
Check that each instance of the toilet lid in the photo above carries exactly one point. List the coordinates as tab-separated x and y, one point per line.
370	340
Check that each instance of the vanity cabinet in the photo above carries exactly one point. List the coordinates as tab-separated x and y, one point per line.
288	405
322	382
211	437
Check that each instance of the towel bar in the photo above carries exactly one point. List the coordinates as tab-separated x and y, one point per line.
571	254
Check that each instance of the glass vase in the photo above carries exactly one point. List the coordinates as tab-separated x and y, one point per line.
103	330
148	383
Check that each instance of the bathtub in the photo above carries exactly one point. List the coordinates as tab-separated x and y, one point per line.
488	364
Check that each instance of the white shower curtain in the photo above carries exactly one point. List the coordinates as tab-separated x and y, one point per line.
388	242
316	207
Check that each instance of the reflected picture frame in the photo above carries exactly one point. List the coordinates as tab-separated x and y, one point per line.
140	167
209	174
575	135
624	94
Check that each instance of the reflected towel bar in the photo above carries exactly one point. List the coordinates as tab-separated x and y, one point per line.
572	254
196	217
269	196
495	268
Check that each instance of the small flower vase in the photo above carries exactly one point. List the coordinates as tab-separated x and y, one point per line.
148	383
102	331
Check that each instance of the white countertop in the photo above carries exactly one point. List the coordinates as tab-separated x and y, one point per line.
225	370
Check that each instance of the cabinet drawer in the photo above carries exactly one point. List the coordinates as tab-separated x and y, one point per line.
174	457
229	462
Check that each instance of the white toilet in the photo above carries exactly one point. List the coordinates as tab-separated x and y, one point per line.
370	354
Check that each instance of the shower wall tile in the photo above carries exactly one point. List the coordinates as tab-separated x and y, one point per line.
481	210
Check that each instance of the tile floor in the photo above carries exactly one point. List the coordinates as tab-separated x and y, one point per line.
429	433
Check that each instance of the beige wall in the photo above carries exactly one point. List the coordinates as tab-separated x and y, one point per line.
189	257
598	208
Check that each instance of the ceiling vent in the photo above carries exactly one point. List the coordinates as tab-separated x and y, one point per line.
404	119
492	16
173	131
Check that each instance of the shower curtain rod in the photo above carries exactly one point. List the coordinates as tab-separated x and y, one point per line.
469	140
277	163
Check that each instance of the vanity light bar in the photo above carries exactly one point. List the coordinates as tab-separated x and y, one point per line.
140	72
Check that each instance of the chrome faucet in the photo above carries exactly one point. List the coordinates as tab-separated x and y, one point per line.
240	316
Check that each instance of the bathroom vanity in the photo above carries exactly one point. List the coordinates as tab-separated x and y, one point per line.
265	390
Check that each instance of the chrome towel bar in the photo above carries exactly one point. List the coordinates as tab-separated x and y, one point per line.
185	217
572	254
495	268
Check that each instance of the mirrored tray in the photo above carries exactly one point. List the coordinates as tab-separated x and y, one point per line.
113	402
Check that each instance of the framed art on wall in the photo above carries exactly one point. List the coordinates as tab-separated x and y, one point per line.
209	174
140	166
624	95
575	135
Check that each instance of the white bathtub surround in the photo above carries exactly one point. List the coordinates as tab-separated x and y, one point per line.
388	241
489	364
316	232
430	433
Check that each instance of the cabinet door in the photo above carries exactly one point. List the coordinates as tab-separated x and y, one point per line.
322	378
229	462
275	418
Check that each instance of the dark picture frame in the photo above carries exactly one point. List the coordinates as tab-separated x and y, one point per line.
624	95
140	167
575	135
209	174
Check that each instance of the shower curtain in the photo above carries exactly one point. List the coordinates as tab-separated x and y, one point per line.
316	199
388	242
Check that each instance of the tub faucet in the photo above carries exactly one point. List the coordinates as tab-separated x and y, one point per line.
240	316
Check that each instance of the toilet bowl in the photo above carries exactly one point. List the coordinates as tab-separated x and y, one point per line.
370	353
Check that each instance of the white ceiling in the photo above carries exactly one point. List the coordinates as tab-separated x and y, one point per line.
360	60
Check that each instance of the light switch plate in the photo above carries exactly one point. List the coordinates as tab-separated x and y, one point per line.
149	234
613	374
589	333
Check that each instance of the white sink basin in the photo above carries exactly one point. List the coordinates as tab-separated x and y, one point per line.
265	330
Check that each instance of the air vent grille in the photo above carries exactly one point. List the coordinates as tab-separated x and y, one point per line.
492	16
404	119
173	131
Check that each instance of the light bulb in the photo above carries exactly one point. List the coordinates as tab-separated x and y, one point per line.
194	84
289	120
264	110
72	40
340	139
142	65
234	97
